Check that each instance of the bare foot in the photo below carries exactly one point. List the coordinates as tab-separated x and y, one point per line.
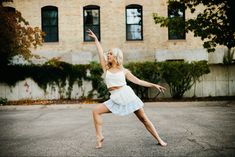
162	143
99	143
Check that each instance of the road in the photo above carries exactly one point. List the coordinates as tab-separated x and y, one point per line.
198	129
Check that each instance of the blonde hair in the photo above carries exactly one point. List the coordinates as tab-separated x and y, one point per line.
118	55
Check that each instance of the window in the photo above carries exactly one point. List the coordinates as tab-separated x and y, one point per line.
176	28
10	9
50	23
134	26
91	20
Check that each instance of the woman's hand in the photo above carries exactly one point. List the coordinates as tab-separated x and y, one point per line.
99	48
160	88
91	34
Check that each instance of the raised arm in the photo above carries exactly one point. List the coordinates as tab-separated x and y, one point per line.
136	80
99	48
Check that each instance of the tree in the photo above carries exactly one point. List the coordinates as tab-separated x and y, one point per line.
215	24
16	36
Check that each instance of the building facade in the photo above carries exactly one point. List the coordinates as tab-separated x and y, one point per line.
127	24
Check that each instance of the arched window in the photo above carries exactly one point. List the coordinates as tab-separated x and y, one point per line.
134	22
91	20
176	27
50	23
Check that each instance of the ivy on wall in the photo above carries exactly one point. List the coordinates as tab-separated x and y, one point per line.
179	75
52	73
97	82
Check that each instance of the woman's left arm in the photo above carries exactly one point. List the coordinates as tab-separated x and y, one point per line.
136	80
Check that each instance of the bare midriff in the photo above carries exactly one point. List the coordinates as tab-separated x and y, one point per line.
114	88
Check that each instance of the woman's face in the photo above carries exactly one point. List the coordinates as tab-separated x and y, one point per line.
110	57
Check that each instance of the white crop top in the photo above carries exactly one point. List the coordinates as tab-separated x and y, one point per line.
115	79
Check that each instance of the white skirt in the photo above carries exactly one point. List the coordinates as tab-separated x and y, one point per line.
123	101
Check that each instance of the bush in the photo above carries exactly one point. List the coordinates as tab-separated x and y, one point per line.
3	101
228	56
148	71
180	75
97	81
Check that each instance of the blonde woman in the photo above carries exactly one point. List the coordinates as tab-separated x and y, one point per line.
122	100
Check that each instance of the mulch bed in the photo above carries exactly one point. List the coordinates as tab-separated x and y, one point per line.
93	101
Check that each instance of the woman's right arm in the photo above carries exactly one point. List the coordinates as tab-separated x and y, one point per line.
99	48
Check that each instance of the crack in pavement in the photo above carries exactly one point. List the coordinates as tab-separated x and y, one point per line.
211	147
196	142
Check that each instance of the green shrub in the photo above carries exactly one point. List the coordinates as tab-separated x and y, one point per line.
228	57
148	71
3	101
180	75
97	81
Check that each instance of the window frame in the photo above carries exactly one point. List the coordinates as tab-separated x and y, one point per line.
134	6
184	33
46	8
91	7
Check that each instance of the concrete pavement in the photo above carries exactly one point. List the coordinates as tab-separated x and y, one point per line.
190	128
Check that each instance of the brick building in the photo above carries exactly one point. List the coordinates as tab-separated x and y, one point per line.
127	24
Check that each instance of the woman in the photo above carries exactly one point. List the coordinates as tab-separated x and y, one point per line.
122	100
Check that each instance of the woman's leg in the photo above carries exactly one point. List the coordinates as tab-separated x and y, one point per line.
97	111
149	126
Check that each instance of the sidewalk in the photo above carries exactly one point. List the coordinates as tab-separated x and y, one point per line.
190	129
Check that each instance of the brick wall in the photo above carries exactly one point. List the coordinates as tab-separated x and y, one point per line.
73	49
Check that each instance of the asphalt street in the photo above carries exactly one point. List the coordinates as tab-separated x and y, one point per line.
198	129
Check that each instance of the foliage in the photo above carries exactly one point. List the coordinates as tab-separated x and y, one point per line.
50	73
214	24
180	76
16	35
148	71
97	81
3	101
228	57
